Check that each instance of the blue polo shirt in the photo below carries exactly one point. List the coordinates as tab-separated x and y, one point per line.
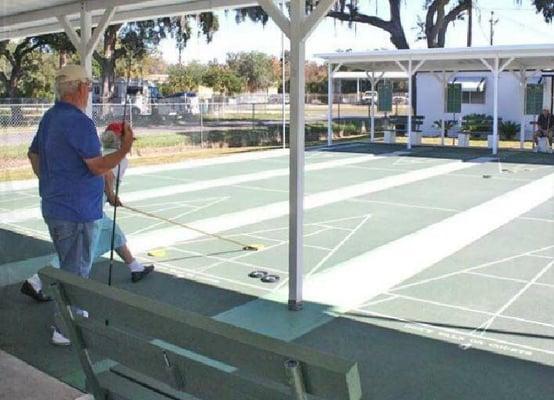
69	191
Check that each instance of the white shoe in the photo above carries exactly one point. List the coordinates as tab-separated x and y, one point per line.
58	339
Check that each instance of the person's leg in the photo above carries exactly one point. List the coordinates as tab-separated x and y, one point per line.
74	243
138	270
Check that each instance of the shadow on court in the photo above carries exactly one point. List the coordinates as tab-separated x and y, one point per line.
16	246
447	153
392	364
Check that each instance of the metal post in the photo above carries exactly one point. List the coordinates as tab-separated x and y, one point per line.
296	179
329	104
201	128
522	85
85	55
296	380
409	146
495	108
372	106
358	90
283	91
444	85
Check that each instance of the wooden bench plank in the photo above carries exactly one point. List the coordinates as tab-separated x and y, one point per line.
326	376
185	375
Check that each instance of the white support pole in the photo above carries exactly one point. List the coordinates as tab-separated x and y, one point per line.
374	81
283	77
329	104
409	145
495	107
444	91
358	90
296	180
372	107
522	86
85	55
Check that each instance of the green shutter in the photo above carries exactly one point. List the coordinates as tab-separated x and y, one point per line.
384	100
454	98
533	99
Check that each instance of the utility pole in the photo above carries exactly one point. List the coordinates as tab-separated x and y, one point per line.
493	22
470	23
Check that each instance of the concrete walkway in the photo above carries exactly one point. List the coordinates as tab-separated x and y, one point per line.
20	381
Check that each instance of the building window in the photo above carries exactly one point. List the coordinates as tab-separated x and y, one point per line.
473	89
470	97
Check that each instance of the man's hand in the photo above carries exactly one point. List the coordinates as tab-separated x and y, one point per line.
127	138
114	200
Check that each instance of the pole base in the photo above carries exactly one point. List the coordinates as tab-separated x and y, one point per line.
295	305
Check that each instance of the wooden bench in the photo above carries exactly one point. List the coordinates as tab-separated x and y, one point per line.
400	123
157	351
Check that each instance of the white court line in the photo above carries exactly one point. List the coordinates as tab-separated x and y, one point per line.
352	283
281	209
541	256
465	270
455	307
451	330
140	195
503	278
395	204
260	188
189	164
538	219
487	324
176	217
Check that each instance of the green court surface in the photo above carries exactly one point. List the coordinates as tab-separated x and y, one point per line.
433	268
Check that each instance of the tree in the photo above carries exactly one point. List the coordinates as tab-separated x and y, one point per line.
438	19
59	43
184	78
223	80
255	67
136	39
433	28
18	56
546	7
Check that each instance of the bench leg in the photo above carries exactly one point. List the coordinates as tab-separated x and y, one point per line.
77	341
296	380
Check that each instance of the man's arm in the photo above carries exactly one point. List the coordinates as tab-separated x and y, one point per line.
34	158
102	164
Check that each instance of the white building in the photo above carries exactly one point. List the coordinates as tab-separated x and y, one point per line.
477	97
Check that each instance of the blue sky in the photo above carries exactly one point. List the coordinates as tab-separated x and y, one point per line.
517	25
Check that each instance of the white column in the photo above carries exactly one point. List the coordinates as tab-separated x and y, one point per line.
84	53
444	84
522	86
372	107
283	92
358	90
296	182
495	107
409	145
329	104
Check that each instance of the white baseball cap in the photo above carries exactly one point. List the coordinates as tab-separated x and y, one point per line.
71	73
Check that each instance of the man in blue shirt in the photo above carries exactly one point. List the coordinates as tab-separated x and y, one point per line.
66	157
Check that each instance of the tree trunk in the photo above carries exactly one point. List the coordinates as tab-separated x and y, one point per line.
107	62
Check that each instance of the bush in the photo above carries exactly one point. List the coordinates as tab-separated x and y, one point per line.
509	129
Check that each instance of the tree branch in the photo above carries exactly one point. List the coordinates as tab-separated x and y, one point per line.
362	18
449	18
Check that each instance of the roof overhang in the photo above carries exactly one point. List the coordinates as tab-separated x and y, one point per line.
540	56
25	18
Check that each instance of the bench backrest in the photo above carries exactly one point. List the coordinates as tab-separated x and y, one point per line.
173	353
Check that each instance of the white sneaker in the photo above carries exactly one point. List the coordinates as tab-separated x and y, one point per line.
58	339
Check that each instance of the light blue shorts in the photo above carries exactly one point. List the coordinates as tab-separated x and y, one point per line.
74	243
102	241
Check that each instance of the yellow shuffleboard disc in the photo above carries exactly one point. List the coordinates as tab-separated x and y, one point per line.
157	253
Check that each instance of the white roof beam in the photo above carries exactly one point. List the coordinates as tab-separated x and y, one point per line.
312	20
100	29
276	15
70	31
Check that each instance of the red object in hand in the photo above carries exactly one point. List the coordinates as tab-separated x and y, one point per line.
116	128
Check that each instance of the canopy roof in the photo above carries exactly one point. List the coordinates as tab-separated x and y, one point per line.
538	56
35	17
